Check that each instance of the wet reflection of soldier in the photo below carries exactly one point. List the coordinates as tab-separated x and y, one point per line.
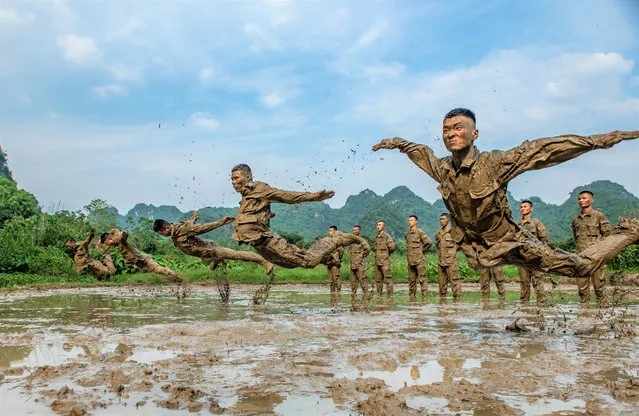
447	268
496	274
417	243
333	265
526	275
83	260
473	186
134	257
384	246
359	252
589	227
253	219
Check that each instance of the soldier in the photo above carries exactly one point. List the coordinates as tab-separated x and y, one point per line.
447	268
383	245
536	228
589	227
359	252
496	274
184	237
83	260
252	223
473	186
417	243
134	257
333	265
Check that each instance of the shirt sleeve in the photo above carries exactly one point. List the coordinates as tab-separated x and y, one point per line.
543	233
286	197
390	243
426	241
604	226
197	229
421	155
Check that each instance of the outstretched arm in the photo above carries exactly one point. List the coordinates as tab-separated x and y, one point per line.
197	229
550	151
421	155
292	197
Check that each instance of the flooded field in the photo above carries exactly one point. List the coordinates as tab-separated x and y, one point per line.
139	351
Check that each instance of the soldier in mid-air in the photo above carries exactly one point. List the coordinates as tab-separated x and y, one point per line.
252	223
473	187
83	260
447	268
417	243
526	275
134	257
184	235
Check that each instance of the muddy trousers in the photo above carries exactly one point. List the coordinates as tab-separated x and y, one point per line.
598	282
358	277
528	276
417	274
280	252
216	254
449	273
151	266
99	270
383	274
334	280
497	275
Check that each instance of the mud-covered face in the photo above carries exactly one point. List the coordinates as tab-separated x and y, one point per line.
443	221
331	231
165	231
412	222
381	226
525	208
458	133
70	244
585	200
356	230
239	179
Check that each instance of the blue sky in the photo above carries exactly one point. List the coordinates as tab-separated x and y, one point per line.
155	101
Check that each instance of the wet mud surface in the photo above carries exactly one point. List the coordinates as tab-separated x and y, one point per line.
139	351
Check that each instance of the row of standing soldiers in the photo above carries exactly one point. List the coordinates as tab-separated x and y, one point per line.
589	226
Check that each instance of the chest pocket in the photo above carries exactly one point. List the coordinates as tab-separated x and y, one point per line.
592	231
481	188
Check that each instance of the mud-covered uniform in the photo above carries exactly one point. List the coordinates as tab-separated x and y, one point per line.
333	265
184	235
417	243
589	229
83	260
475	195
252	226
359	252
447	268
496	274
134	257
383	245
528	275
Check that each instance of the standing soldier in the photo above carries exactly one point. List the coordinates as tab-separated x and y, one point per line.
447	268
536	228
588	227
384	246
333	266
359	252
496	274
83	260
134	257
417	243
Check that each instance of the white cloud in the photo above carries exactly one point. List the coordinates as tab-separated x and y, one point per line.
109	91
206	74
78	49
634	81
272	100
261	39
10	17
373	33
125	73
392	70
205	121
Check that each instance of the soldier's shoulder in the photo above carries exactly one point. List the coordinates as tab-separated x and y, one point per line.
599	214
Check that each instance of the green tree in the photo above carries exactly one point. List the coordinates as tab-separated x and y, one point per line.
101	215
15	202
4	168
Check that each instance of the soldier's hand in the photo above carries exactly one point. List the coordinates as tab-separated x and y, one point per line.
324	194
614	137
385	144
228	219
92	230
195	215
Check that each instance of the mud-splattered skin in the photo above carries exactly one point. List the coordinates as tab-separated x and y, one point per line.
473	187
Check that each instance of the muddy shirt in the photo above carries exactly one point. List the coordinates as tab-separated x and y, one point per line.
252	221
184	235
417	243
336	256
358	254
130	253
81	257
589	228
383	245
475	191
446	247
536	228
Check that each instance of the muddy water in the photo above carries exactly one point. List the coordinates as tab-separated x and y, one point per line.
120	351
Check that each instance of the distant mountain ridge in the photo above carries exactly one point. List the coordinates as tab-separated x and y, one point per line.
313	219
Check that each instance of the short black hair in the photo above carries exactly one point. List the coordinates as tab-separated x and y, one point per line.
382	221
70	239
333	227
414	216
461	112
445	214
526	201
103	237
242	167
358	226
160	224
587	192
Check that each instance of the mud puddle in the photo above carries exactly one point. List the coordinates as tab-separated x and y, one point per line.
118	351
